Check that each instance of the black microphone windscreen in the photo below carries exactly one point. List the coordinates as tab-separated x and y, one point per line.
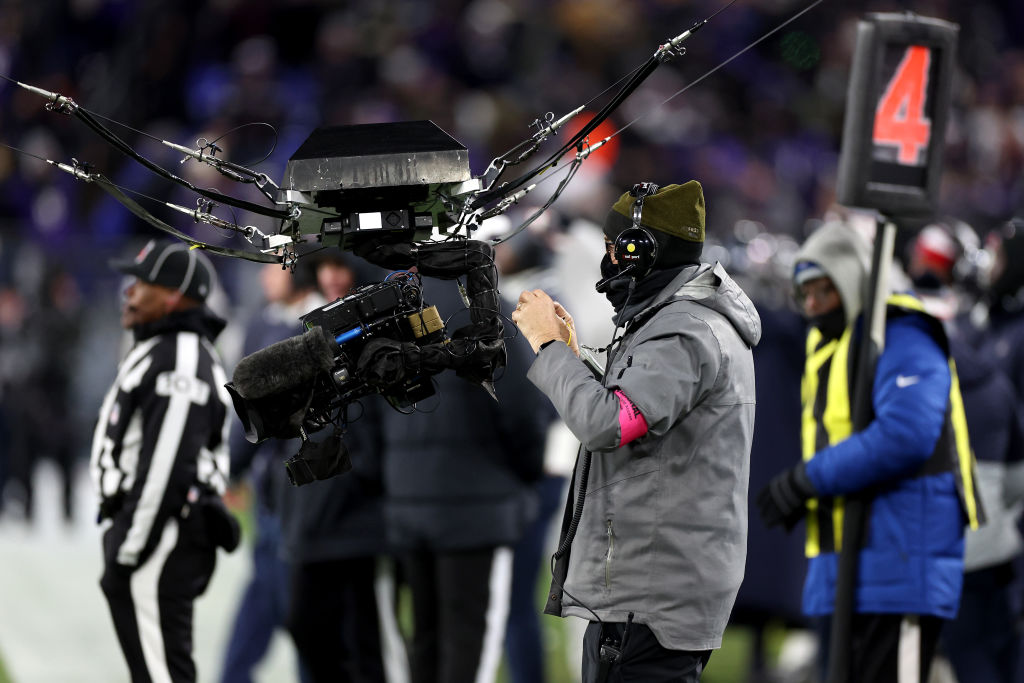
284	365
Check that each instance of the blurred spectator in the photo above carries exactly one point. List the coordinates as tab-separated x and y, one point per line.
334	275
15	463
460	475
342	608
40	390
264	604
1000	318
770	593
983	643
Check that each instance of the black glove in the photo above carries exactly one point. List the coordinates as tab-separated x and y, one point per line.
221	526
782	500
110	506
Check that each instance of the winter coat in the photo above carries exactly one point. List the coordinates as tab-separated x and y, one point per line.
997	439
908	459
912	558
263	463
663	530
774	578
458	470
341	517
338	518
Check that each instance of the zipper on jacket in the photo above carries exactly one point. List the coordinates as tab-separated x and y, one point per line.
629	364
608	555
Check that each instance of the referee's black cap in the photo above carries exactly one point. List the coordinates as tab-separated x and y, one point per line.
171	264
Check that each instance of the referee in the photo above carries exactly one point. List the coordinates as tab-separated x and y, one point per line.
159	461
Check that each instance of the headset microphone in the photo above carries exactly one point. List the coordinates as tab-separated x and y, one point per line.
603	285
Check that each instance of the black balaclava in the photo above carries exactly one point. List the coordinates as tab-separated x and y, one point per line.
831	324
617	290
645	289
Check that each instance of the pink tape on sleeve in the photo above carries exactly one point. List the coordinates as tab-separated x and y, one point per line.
632	424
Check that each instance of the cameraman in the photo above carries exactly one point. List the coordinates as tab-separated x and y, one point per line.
659	553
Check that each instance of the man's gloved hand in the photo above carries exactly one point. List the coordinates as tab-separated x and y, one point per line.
782	500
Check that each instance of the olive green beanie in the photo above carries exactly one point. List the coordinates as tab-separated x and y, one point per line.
675	214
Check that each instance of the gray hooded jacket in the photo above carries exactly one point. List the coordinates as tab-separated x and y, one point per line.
663	533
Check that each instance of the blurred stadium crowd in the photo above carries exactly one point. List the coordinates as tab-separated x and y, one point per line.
762	134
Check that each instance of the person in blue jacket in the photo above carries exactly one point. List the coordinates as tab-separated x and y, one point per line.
913	461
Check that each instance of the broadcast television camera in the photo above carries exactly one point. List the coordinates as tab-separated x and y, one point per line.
383	192
380	339
340	330
298	386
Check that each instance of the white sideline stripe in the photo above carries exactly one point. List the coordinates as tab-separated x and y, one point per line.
145	597
392	646
909	650
500	585
164	453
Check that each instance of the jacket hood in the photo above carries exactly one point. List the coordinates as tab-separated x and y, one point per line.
710	286
845	257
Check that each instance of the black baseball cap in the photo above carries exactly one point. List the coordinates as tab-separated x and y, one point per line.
171	264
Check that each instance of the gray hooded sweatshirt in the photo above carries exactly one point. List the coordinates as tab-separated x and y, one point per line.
663	533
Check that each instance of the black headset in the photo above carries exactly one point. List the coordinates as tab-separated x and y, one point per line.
635	247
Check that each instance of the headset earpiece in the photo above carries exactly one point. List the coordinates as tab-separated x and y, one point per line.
636	247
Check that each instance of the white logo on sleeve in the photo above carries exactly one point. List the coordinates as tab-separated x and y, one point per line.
903	381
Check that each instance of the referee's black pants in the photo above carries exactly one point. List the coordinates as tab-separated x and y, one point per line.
152	604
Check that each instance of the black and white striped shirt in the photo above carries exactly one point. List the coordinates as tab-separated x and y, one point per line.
163	427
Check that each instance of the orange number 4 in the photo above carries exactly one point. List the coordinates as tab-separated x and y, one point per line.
900	119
